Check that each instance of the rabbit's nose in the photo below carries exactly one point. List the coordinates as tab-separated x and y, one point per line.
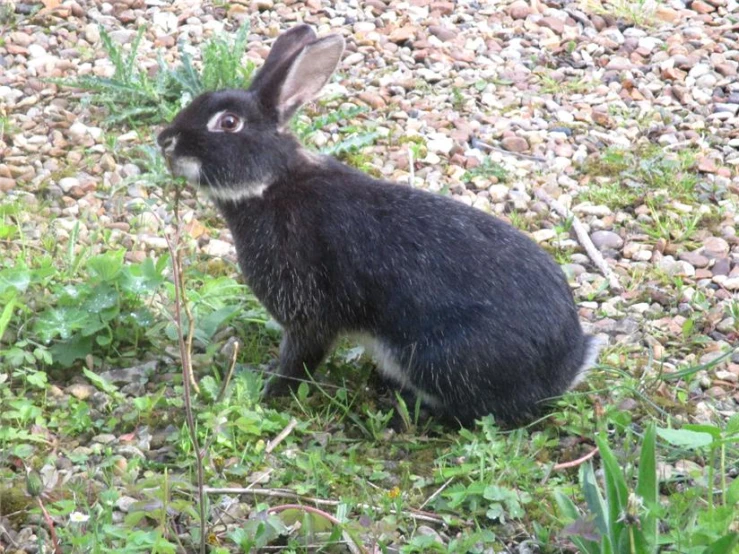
167	142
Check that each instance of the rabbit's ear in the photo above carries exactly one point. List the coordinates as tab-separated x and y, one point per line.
283	50
309	71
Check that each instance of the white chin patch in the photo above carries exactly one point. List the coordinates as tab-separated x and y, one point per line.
237	193
187	167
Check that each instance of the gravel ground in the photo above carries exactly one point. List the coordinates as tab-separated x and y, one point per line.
542	91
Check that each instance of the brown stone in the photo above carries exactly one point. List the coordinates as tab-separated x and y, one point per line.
721	266
515	144
520	9
167	41
694	258
553	23
462	55
702	7
666	14
598	22
443	8
681	94
6	184
716	392
442	33
707	165
715	247
727	69
402	34
673	74
15	49
602	118
372	99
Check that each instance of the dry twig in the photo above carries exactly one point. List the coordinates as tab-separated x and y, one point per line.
50	525
575	463
271	445
583	238
491	148
229	374
185	346
418	515
437	492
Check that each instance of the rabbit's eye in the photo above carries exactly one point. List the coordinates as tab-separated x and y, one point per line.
229	123
225	122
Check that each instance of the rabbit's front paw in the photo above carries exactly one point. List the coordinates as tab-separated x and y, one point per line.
276	386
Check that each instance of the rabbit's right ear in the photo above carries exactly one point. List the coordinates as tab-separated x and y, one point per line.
283	50
299	72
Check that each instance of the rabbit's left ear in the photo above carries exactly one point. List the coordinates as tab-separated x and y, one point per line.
309	71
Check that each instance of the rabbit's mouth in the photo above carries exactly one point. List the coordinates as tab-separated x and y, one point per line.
185	166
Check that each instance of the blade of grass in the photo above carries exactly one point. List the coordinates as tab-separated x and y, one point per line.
647	485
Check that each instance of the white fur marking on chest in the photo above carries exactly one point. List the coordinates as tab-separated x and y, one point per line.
237	193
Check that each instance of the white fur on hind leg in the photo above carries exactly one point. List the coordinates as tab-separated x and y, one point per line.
391	367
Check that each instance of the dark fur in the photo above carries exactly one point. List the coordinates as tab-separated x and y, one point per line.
475	313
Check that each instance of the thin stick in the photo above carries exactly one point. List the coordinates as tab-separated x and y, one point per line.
583	238
418	515
411	167
271	445
353	547
190	334
491	148
229	373
50	525
436	493
185	356
575	463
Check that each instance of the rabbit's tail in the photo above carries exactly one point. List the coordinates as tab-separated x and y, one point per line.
593	346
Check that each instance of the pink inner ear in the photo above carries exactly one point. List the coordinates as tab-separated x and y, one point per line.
309	72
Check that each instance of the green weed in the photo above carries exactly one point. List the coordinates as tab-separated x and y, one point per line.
625	519
623	178
131	95
486	170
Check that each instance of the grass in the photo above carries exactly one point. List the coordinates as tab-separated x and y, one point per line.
623	178
641	13
550	85
371	471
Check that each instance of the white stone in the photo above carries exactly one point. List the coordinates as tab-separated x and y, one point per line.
544	235
36	51
92	33
219	248
439	143
498	193
67	183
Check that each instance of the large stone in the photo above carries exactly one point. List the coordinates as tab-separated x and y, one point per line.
715	247
6	184
553	23
402	34
694	258
520	9
515	144
606	240
442	33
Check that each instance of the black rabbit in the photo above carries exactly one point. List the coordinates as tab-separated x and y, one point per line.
456	306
